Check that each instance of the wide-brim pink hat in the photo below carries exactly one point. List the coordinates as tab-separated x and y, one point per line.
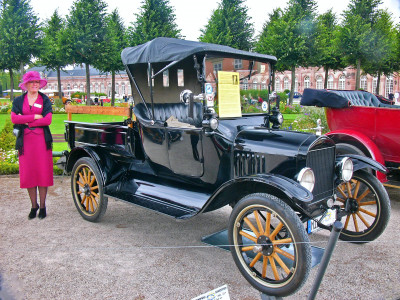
32	76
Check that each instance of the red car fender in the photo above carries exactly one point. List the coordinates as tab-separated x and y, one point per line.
347	135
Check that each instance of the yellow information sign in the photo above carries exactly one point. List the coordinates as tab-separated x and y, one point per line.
229	95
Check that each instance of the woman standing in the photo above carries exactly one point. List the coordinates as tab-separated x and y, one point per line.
32	115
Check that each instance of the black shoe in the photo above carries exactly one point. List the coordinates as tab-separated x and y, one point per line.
32	214
42	213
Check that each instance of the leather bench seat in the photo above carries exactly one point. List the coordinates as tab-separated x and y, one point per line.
362	98
162	111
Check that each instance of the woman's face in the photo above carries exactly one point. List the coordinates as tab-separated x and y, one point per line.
33	86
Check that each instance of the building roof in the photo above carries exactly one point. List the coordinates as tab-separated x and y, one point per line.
75	72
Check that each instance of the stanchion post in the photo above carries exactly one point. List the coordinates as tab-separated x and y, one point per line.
337	228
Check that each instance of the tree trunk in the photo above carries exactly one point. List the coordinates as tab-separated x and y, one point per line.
378	81
11	85
21	67
112	88
88	101
326	77
59	83
358	74
292	85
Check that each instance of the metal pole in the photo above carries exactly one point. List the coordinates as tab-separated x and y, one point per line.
337	228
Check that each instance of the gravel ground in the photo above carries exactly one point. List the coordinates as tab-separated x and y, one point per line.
134	253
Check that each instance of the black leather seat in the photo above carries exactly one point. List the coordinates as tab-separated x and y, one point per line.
359	98
162	111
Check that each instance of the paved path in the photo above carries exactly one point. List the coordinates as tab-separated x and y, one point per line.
134	253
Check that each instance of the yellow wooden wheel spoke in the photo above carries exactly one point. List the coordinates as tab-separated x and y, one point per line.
367	212
340	200
250	237
273	266
94	194
355	222
247	248
84	175
94	188
367	203
281	263
80	183
259	225
347	222
363	195
89	176
253	262
276	231
342	192
94	202
83	199
91	204
92	181
265	265
267	224
349	189
251	226
79	192
356	189
83	179
87	204
284	253
282	241
362	219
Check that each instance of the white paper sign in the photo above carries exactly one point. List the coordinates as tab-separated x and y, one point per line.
220	293
264	106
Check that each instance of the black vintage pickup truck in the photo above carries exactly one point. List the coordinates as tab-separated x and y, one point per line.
188	149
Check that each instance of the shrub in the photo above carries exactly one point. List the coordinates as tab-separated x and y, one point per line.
8	168
308	120
7	139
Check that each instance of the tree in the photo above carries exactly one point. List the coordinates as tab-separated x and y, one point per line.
20	36
328	54
115	41
382	60
55	49
86	34
290	36
156	19
229	25
356	35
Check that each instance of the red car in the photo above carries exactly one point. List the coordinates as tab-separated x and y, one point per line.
360	124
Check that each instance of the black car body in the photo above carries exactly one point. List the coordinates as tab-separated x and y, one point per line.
206	162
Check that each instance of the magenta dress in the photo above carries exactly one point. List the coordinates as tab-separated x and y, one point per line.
36	163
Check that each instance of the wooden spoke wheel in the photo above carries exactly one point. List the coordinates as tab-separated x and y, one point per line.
269	244
87	190
369	208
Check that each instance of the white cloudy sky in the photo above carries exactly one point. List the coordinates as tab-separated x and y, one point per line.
191	15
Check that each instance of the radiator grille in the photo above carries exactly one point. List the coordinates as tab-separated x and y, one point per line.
249	163
322	162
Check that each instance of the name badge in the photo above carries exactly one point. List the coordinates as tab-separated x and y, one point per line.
37	105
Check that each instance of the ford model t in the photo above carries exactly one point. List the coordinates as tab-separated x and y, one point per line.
188	149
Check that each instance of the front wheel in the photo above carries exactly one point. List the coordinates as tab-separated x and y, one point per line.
269	244
369	208
87	189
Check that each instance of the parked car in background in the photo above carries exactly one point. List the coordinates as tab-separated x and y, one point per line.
295	95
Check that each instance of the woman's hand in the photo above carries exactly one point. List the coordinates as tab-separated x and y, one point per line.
37	117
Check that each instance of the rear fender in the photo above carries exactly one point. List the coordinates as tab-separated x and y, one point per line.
364	143
284	188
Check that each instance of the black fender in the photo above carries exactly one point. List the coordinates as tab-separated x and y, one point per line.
363	162
282	187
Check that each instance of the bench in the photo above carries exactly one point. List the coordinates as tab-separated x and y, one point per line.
362	98
163	111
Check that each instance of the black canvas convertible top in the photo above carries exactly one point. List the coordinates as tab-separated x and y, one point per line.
169	49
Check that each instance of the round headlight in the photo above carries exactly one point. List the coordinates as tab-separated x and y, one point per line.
306	178
346	169
213	123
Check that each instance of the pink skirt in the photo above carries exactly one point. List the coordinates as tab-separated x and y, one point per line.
36	164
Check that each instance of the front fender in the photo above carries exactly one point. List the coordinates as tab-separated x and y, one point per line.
363	162
284	188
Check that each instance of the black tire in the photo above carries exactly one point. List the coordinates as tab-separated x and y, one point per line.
87	190
285	273
370	208
343	148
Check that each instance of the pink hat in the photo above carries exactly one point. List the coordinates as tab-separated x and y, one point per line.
32	76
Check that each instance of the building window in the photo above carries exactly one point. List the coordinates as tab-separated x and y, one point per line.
166	78
102	88
75	87
330	82
286	83
218	66
306	82
96	87
81	88
342	82
181	77
55	87
389	86
117	88
363	83
277	84
296	84
374	85
238	64
320	83
255	85
245	82
123	89
264	85
109	90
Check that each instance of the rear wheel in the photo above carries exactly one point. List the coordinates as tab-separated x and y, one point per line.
369	206
269	244
87	190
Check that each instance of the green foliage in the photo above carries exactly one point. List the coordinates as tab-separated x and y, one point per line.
7	139
7	168
229	25
308	120
156	19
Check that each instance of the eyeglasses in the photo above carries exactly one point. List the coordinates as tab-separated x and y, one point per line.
34	81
